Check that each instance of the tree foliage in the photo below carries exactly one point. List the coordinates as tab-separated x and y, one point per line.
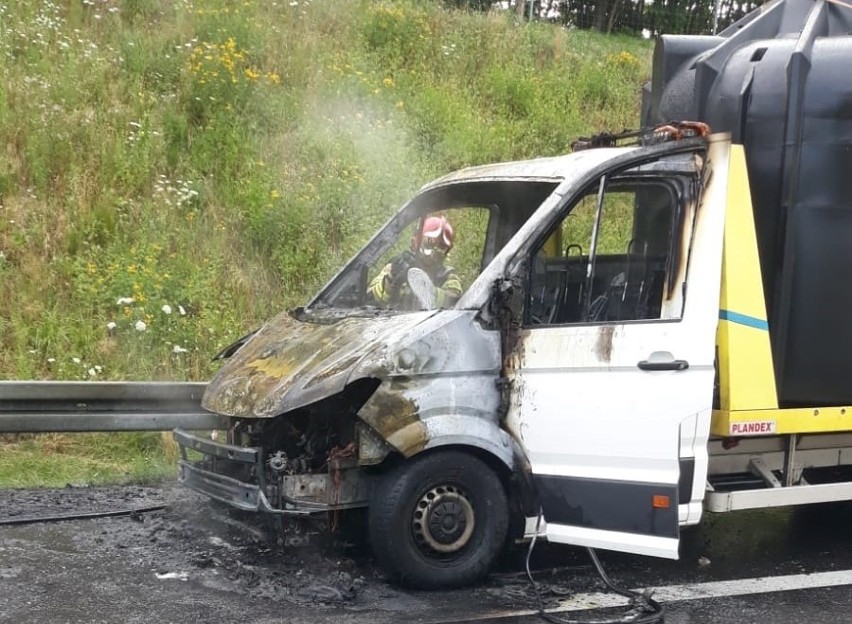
629	16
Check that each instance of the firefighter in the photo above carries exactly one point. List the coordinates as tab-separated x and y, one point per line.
429	248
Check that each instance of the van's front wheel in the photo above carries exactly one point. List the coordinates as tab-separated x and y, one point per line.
438	520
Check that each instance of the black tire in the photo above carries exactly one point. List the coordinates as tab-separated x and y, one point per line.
438	520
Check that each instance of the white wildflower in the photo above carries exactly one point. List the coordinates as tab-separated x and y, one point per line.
181	310
76	360
178	349
92	372
111	325
51	360
167	309
140	326
124	301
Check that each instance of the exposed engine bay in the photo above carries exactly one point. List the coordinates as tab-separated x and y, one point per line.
309	455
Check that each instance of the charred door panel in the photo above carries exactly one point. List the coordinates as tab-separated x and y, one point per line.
606	392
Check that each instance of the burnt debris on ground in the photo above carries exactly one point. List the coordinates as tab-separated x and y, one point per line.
299	562
322	562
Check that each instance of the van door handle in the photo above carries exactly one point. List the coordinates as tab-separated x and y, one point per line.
675	365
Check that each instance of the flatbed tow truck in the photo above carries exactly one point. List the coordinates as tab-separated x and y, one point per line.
648	331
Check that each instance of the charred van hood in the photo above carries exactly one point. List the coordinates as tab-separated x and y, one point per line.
291	363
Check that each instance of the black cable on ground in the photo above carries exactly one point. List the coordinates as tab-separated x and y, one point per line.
642	608
84	516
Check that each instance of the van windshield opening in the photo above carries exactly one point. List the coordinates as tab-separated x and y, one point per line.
435	247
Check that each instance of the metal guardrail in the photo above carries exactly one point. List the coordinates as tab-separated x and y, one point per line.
70	406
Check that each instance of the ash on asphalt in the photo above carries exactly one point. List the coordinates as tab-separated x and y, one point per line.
300	561
324	562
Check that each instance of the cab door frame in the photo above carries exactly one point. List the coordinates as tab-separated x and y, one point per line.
608	412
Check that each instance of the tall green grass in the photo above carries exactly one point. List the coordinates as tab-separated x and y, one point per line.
28	461
174	172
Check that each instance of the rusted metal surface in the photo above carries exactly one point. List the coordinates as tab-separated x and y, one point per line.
320	489
341	487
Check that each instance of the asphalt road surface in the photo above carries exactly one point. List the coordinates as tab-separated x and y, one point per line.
196	561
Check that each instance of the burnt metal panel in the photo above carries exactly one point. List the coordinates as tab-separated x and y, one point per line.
291	363
245	454
340	489
439	388
239	494
372	449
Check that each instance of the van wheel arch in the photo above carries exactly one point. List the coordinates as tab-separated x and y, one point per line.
440	519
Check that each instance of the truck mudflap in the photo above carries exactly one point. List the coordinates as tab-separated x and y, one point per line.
207	476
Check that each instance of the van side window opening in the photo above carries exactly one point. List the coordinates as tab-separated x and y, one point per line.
610	258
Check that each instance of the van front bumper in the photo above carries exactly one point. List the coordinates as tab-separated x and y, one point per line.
237	476
231	474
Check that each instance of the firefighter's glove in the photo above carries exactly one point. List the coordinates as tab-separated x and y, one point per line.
399	269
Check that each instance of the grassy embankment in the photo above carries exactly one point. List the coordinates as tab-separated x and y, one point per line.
174	172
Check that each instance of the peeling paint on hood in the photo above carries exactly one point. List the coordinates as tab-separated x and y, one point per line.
291	363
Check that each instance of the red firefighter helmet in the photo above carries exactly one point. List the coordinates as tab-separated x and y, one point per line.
435	234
